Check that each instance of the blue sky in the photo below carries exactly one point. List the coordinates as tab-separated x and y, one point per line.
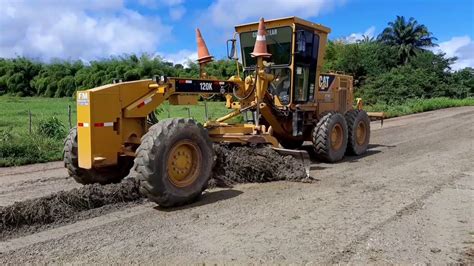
91	29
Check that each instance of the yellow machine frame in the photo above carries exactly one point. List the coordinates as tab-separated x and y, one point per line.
112	118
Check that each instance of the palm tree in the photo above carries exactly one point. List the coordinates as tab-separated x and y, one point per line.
366	39
408	36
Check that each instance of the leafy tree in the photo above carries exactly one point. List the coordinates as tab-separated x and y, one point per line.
361	60
408	36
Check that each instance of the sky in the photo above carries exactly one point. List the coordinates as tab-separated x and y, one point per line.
94	29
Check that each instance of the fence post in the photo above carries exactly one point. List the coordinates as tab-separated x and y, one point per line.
206	114
29	118
189	112
69	115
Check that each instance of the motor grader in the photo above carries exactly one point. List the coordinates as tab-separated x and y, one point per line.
283	97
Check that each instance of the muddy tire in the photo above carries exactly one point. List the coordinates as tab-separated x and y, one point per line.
358	125
330	137
102	176
174	162
291	144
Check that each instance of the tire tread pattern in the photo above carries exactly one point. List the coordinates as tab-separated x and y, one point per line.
145	159
321	136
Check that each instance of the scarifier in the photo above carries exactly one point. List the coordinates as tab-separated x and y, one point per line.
283	97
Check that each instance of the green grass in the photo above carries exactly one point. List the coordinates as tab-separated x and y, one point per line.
18	146
413	106
214	109
14	111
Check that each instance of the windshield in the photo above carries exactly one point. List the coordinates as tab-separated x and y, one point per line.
278	44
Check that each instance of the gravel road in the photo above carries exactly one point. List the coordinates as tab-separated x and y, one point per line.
410	199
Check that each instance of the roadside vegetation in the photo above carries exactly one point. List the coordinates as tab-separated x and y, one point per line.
413	106
397	73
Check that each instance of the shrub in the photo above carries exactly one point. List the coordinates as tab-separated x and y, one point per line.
26	149
52	128
5	135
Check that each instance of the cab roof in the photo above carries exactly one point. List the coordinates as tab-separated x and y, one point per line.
279	22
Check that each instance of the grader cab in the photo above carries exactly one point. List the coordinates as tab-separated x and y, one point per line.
283	97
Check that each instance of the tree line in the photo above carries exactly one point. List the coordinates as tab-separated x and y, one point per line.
391	68
25	77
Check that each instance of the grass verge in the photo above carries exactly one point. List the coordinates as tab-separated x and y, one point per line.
413	106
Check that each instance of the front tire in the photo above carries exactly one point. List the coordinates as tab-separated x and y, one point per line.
358	124
330	137
174	162
105	175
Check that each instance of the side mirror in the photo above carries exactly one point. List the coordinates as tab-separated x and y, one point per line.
231	49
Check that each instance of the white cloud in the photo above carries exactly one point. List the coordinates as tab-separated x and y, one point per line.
84	29
176	13
461	47
226	13
181	57
176	8
158	3
354	37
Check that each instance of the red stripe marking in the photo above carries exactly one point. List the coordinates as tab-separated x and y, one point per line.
80	124
141	104
98	124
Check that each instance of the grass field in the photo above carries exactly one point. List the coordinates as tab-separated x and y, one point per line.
14	115
18	146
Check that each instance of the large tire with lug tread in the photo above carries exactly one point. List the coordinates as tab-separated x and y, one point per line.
358	125
330	137
174	162
291	144
105	175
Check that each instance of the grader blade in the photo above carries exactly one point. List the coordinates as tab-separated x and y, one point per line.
301	155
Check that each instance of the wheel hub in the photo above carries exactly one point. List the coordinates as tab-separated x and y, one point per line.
336	137
361	133
183	163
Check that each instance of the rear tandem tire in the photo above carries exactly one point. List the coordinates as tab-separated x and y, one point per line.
330	137
358	125
174	162
106	175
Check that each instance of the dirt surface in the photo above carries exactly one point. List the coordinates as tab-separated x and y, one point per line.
234	165
33	181
408	200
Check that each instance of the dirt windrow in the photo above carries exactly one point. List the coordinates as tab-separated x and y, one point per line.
241	164
233	165
65	204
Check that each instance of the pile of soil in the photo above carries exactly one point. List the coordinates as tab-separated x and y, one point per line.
242	164
65	204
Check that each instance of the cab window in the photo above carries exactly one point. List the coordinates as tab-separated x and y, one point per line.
306	56
278	44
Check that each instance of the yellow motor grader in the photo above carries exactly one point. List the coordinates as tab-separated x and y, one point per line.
283	97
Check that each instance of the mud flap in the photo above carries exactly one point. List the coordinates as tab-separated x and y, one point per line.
301	155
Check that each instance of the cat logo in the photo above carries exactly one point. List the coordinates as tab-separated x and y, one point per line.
325	82
83	98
